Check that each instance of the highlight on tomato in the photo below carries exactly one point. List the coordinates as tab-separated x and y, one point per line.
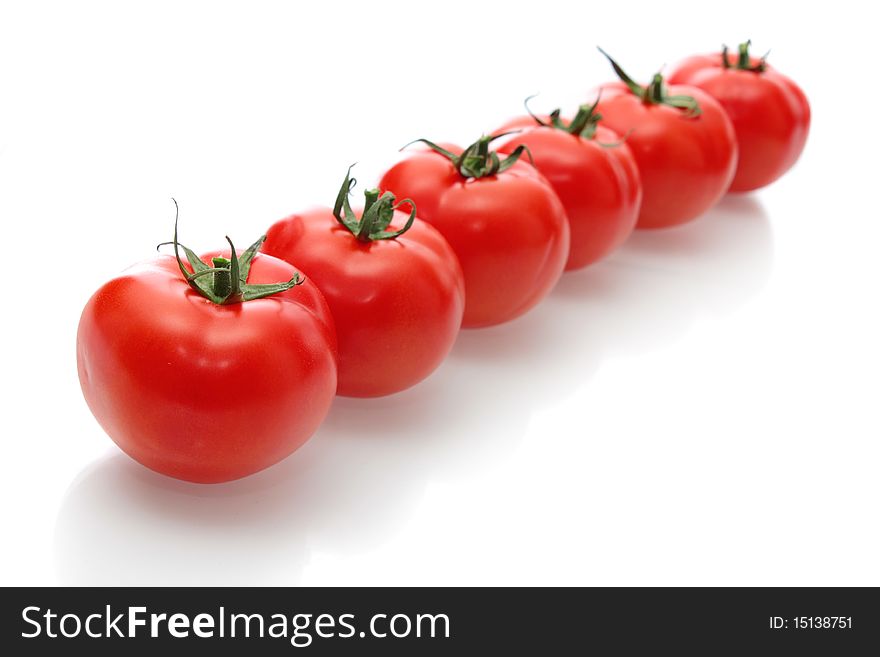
208	372
392	282
682	140
770	113
592	171
499	214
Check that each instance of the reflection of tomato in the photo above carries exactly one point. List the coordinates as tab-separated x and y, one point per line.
770	113
501	217
592	172
683	143
206	391
397	301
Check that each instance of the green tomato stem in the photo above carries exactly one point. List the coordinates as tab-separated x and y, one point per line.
743	61
656	92
226	282
378	213
222	282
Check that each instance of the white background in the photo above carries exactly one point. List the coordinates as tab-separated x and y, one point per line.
699	409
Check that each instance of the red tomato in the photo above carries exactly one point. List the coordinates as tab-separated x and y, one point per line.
770	113
397	301
593	173
683	143
502	219
205	391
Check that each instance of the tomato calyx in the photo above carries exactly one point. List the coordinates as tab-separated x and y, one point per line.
478	160
583	124
656	92
377	215
226	282
744	62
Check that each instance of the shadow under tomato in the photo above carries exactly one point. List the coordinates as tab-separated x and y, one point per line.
647	294
354	484
652	290
361	478
123	525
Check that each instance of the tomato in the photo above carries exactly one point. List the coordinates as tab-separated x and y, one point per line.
770	113
594	174
208	380
501	217
397	295
683	143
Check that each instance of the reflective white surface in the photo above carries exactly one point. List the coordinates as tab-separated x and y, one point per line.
698	409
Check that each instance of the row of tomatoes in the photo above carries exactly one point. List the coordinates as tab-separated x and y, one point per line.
212	368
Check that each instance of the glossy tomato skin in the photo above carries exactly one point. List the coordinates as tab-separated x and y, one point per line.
203	392
596	179
685	162
508	230
397	303
770	115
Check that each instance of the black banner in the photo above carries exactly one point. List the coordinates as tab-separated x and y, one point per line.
418	621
